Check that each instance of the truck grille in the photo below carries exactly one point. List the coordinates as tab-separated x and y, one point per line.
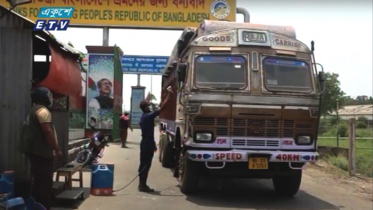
252	127
235	127
220	125
290	127
255	143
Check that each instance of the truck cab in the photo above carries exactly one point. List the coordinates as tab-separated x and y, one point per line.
245	104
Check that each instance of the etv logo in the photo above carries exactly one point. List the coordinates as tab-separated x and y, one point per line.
53	12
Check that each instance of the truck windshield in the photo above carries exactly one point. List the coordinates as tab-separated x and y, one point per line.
287	75
220	72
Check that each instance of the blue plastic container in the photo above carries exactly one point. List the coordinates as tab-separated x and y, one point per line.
102	179
15	204
7	184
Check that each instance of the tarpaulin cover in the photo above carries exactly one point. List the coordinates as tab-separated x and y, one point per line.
64	75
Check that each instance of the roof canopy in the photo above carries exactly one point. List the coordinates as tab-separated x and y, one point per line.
49	37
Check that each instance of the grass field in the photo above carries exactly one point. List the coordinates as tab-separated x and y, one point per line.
364	154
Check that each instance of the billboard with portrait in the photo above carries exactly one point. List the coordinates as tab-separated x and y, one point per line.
100	90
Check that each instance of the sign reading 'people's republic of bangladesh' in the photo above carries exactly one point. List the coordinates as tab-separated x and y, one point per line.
136	13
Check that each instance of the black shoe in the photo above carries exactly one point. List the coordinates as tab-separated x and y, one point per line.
146	189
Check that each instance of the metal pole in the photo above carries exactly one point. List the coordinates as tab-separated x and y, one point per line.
138	80
151	87
337	123
105	36
245	13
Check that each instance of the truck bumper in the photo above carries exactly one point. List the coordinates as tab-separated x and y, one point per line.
244	155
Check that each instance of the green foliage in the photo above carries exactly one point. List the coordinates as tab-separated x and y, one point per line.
339	161
361	124
343	130
363	119
363	158
363	150
332	94
323	126
367	132
333	120
359	100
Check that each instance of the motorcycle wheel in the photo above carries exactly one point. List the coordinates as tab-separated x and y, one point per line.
84	157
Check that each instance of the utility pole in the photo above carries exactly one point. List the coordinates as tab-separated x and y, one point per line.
337	122
151	88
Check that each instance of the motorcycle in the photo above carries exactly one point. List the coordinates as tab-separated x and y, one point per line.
95	148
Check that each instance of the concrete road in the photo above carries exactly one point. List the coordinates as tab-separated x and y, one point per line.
319	190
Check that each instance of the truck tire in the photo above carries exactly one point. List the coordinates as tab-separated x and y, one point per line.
167	154
289	185
188	175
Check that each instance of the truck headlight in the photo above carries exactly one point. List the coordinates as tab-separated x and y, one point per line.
304	140
192	108
203	136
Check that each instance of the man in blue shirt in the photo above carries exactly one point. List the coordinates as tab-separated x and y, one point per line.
147	145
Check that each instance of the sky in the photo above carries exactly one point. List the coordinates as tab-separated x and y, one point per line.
341	30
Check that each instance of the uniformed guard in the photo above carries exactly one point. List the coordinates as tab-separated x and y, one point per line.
148	145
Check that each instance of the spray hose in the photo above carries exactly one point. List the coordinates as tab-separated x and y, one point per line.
120	189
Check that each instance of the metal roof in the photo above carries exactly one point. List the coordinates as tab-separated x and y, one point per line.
355	110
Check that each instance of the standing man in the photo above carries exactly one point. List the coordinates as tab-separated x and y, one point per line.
147	145
40	144
124	124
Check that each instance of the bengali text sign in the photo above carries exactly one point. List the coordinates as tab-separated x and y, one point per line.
133	64
136	13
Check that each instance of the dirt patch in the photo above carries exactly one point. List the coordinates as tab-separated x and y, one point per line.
328	174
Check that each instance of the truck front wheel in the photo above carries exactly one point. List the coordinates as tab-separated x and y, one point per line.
188	175
288	185
167	154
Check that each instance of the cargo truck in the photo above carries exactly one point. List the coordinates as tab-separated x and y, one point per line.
245	104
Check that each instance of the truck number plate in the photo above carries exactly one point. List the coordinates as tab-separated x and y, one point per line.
258	163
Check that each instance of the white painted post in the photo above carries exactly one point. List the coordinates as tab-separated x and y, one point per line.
352	147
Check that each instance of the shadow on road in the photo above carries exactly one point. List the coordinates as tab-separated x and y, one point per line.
254	194
128	143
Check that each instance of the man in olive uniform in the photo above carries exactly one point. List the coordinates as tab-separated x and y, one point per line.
40	144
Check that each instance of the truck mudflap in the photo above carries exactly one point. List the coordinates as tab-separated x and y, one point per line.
244	155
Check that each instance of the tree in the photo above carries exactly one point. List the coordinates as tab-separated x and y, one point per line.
359	100
332	94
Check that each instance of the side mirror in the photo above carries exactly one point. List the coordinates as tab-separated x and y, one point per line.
181	71
322	81
322	76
